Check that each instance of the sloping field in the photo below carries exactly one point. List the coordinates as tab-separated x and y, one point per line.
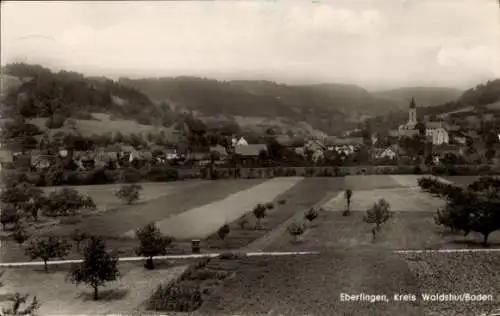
105	199
313	285
129	217
202	221
403	199
103	124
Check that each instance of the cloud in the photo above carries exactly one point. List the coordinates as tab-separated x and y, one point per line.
359	41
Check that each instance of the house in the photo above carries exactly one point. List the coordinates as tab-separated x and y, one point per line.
42	161
249	153
6	158
239	141
220	152
171	154
385	153
444	149
198	153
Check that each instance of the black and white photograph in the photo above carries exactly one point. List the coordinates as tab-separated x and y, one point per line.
250	157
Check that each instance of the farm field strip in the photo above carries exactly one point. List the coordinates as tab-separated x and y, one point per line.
400	199
204	220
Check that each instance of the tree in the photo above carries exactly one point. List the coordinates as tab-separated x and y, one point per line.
9	215
97	268
66	201
129	193
20	235
48	248
78	237
378	214
311	214
152	243
259	212
348	196
296	230
223	231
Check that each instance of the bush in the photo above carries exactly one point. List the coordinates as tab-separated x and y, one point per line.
311	214
9	215
176	297
130	175
129	193
99	176
269	205
230	256
55	121
66	201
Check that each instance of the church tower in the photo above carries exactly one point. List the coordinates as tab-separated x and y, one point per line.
412	114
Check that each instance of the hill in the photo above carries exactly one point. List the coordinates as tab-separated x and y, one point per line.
43	93
328	107
481	99
426	96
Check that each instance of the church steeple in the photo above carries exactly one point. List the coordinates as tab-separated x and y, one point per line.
412	103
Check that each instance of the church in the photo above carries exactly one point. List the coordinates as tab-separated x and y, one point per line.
436	132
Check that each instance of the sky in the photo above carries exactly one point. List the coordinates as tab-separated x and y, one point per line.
377	44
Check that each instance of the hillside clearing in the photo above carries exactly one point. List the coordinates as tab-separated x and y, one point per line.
103	124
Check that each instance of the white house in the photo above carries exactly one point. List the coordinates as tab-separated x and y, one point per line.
381	153
239	142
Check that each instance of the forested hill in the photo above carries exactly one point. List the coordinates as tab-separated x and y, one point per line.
427	96
481	99
43	93
260	98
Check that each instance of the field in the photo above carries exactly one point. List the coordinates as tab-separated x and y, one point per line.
349	261
60	297
102	124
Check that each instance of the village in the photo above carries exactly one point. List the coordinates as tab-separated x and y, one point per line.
445	140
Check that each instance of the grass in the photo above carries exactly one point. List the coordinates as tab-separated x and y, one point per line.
62	298
114	223
103	124
300	197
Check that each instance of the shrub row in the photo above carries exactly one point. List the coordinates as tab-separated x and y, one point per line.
168	173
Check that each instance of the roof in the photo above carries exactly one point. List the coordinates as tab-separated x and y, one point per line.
250	149
412	104
127	148
219	149
344	141
38	158
446	148
435	124
143	154
6	156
